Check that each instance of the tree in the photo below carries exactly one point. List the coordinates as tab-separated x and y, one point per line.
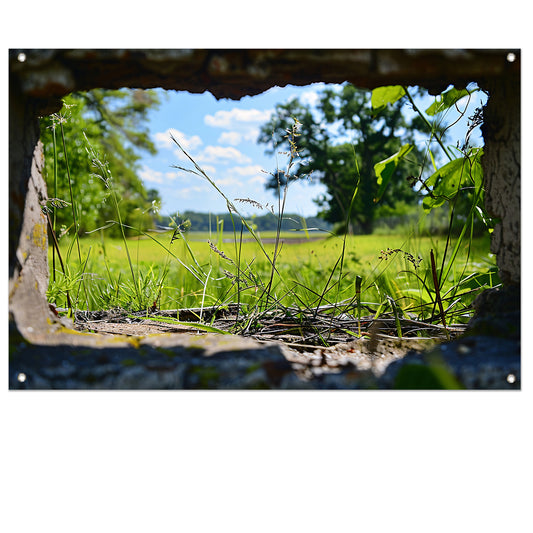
344	166
112	122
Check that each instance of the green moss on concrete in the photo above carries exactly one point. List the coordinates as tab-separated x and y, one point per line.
207	377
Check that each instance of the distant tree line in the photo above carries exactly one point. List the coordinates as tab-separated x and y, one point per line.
193	221
401	219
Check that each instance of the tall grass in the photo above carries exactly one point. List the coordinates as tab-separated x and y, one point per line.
404	275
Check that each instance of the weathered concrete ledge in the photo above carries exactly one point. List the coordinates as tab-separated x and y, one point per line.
71	360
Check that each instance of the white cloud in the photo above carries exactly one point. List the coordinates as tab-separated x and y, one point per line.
230	119
188	177
230	137
186	192
217	154
180	156
249	170
241	124
252	134
170	176
309	97
229	181
254	173
188	142
259	179
209	169
150	175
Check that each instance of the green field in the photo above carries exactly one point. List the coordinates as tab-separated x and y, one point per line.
321	270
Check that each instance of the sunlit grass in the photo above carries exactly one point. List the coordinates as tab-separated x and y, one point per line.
263	272
304	270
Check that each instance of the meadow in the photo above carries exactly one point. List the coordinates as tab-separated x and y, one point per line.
405	274
170	270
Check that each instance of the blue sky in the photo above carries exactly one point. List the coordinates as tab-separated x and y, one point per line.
221	137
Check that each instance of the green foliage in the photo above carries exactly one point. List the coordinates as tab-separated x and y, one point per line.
385	169
113	122
344	166
448	99
256	278
383	96
434	376
457	184
459	176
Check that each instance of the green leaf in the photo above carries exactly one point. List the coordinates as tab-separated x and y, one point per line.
382	96
447	99
417	376
385	169
477	280
448	180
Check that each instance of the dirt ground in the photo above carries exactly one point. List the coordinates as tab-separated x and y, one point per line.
321	340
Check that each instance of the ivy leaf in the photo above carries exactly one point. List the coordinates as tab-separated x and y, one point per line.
382	96
447	99
385	169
